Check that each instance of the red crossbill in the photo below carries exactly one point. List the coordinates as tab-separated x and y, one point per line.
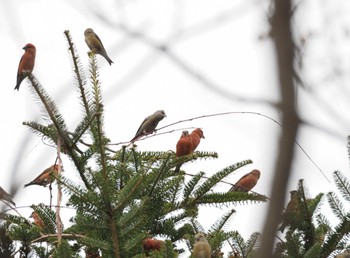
246	182
183	147
37	220
95	44
196	136
150	244
201	248
6	196
46	177
26	64
149	125
292	210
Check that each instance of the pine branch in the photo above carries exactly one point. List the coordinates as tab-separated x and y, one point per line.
78	71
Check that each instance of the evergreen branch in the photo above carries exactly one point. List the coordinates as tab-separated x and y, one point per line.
217	177
50	108
251	243
189	187
336	205
225	198
342	184
333	239
66	236
161	170
78	71
135	159
218	225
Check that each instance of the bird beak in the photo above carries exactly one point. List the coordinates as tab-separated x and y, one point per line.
203	137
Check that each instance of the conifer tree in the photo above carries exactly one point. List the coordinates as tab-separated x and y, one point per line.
124	195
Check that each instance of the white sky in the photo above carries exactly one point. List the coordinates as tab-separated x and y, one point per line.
220	41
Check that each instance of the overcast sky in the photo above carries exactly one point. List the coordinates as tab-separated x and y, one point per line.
219	59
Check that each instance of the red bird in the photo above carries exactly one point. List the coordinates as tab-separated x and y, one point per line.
150	244
196	136
183	147
37	220
26	64
46	177
246	182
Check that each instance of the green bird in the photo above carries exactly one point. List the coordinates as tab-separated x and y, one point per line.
95	44
149	125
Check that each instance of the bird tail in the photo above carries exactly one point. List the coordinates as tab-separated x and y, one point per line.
177	169
17	87
108	59
30	183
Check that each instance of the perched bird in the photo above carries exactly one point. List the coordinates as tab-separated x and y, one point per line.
149	125
246	182
196	136
201	248
183	147
5	196
150	244
95	44
46	177
292	210
26	64
37	220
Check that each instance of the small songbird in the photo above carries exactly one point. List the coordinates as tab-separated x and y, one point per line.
37	220
246	182
291	212
95	44
26	64
201	248
6	196
46	177
196	136
150	244
183	147
149	125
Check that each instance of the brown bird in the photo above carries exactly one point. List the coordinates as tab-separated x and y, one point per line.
183	147
95	44
5	196
291	212
26	64
150	244
46	177
196	136
201	248
37	220
149	125
246	182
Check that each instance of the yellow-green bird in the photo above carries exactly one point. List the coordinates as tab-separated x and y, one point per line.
95	44
149	125
201	248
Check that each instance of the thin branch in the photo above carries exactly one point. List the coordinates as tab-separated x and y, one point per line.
66	236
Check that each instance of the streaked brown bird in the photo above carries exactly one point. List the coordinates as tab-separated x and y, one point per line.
46	177
201	248
95	44
246	182
151	244
184	147
196	136
6	196
291	212
37	220
26	64
149	125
